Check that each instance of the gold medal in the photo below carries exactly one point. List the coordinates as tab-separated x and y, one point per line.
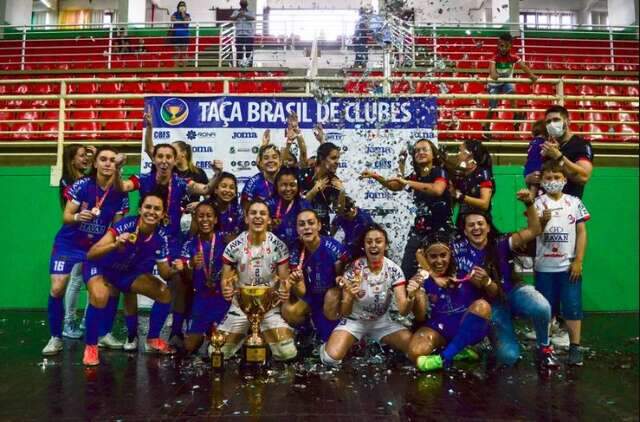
166	221
133	237
95	211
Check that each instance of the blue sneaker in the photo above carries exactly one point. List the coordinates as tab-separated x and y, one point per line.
71	330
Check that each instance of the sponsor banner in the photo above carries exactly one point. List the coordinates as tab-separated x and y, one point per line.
370	133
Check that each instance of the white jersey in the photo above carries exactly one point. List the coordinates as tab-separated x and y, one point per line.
376	290
556	247
256	265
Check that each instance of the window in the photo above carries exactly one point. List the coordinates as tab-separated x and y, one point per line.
308	24
599	18
548	20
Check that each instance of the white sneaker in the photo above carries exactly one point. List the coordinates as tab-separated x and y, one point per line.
110	342
53	347
560	338
530	334
131	346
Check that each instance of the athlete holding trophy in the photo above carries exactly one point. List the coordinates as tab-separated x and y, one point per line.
255	278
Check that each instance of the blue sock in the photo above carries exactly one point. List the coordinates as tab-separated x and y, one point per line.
55	308
132	326
110	311
472	330
178	320
159	313
92	324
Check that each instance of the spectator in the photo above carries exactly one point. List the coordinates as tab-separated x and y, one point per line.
534	156
560	251
502	66
180	33
572	152
244	34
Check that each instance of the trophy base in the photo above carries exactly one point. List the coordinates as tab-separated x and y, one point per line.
217	362
255	357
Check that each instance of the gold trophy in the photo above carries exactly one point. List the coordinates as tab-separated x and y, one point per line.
217	341
255	301
173	110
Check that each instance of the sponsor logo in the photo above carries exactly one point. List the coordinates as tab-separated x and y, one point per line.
556	237
174	111
244	135
201	149
382	164
161	134
342	165
421	134
203	164
377	195
191	135
371	149
334	136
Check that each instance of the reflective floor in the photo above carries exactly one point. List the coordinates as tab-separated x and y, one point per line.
371	387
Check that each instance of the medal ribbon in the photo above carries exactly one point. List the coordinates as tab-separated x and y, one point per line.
208	268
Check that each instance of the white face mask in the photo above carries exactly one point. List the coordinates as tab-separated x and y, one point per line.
554	186
556	129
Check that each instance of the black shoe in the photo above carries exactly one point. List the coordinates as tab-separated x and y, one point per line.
546	358
575	355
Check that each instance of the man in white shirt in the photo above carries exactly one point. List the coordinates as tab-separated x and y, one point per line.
245	31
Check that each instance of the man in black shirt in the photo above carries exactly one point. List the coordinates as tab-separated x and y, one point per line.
572	152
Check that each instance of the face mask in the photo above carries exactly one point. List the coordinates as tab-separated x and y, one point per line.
556	129
553	186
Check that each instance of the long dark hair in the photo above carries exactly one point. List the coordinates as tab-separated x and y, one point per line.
286	171
359	245
480	154
223	175
445	238
69	173
491	262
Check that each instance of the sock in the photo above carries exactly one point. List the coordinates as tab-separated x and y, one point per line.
109	316
55	308
159	313
574	345
132	326
93	321
178	320
472	330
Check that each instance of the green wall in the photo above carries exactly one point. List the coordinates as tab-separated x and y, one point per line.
32	217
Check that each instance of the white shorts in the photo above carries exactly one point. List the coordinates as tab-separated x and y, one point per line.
376	329
235	321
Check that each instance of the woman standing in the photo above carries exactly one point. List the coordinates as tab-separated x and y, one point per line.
261	185
124	259
94	203
285	205
180	33
473	186
77	161
429	182
368	285
224	199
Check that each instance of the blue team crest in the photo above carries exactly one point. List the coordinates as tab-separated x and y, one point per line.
174	111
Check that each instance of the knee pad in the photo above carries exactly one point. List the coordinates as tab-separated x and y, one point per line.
284	350
230	349
328	360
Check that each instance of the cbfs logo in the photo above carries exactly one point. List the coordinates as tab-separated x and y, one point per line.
174	111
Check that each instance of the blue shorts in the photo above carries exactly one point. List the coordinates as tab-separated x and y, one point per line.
323	326
119	279
207	309
64	257
564	295
504	88
445	325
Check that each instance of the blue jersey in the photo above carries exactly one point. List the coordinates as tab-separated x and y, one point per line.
209	274
284	218
449	300
257	187
231	221
175	191
467	256
88	195
318	267
139	257
353	228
